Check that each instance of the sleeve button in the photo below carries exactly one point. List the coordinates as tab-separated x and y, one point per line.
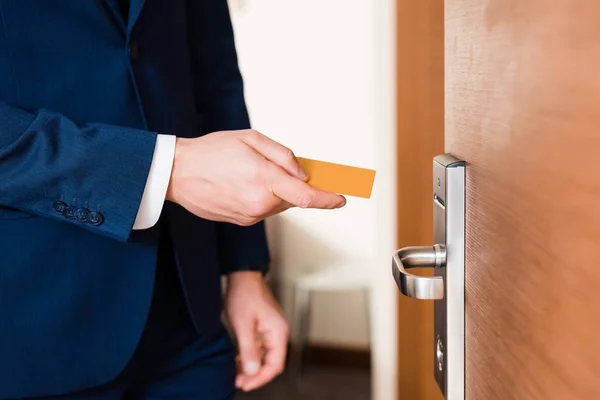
69	212
59	207
95	218
82	214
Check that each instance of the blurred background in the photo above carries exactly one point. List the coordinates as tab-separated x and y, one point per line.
319	78
365	82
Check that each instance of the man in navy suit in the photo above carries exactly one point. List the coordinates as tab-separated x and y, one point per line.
130	182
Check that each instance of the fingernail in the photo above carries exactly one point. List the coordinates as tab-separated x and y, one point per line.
251	368
343	203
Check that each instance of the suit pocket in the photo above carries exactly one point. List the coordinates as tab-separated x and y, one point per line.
12	213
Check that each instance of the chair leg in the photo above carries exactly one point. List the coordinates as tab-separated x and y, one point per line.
300	329
367	298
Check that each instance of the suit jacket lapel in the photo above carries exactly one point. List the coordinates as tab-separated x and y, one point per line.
113	6
135	9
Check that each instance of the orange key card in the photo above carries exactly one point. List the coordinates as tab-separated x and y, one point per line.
338	178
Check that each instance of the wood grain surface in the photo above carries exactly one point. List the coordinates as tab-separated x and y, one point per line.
420	116
523	109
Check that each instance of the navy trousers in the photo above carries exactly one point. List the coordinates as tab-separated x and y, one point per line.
172	360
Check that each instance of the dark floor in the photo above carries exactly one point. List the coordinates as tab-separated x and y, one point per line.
318	383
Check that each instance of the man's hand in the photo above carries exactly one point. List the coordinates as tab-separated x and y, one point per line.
260	329
241	177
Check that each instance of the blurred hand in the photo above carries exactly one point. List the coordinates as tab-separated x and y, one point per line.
241	177
260	328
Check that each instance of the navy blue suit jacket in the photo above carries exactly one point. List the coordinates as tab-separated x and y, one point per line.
83	93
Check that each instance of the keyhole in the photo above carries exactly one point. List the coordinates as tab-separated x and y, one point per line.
440	353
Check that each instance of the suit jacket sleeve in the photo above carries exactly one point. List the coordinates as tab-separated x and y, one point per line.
44	156
219	95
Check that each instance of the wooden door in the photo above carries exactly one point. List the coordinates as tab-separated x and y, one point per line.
523	109
420	122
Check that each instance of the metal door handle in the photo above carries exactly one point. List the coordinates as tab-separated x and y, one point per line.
419	287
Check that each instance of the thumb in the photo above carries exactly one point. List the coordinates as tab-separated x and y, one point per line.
276	153
248	349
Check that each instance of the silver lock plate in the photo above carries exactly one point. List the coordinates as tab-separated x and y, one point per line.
449	231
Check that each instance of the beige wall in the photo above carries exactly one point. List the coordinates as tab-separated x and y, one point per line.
320	78
309	76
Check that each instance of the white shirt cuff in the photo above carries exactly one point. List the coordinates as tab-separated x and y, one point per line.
157	184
